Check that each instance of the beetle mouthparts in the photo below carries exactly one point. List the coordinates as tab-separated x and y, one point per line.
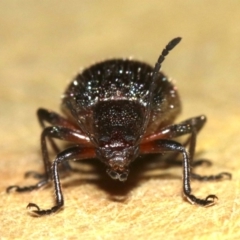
121	176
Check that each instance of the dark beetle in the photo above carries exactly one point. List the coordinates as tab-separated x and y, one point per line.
117	110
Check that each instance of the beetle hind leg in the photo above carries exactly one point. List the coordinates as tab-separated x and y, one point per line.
195	163
34	174
219	176
29	188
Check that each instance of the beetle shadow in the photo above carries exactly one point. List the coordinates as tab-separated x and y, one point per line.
142	169
92	171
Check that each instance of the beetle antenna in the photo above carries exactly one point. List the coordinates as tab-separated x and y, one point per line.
165	52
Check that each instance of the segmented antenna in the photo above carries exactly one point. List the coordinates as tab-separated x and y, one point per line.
165	52
157	68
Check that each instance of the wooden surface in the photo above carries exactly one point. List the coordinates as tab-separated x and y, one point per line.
44	43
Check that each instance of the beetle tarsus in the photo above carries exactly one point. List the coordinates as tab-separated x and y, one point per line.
17	188
220	176
42	212
208	201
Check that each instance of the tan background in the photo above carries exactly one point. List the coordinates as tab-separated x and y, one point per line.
44	43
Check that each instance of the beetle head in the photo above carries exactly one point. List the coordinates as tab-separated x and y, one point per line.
117	155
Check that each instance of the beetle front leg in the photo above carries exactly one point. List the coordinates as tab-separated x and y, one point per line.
74	153
58	191
159	146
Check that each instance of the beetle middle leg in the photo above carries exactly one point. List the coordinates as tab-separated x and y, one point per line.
190	126
57	132
164	143
54	119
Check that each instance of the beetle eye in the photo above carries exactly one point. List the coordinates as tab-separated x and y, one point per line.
123	177
112	174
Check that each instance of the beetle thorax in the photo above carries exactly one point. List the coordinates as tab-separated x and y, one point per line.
119	127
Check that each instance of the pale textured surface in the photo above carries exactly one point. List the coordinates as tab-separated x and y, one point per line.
43	43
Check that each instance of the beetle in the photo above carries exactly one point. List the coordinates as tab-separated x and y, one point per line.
115	111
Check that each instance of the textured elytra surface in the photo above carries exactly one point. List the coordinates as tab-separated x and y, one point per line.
122	80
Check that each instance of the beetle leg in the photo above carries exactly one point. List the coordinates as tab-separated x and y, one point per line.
190	126
58	132
53	118
194	163
170	145
73	153
56	120
196	125
27	188
220	176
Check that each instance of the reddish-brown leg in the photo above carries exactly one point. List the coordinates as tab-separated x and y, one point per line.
54	119
57	132
192	127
